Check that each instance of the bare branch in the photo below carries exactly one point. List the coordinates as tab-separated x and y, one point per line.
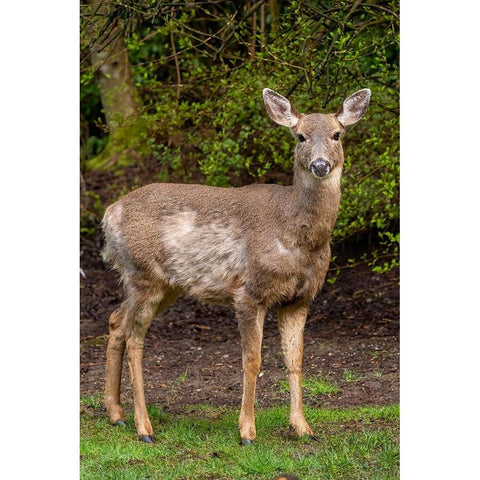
175	57
234	27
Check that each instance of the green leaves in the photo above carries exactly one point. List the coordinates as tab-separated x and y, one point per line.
212	128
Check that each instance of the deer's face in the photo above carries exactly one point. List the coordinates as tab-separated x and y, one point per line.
318	150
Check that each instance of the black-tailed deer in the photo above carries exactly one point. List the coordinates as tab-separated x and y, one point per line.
255	248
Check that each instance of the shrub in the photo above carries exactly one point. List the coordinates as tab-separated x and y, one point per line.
199	74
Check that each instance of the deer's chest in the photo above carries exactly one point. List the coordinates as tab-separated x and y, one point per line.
285	273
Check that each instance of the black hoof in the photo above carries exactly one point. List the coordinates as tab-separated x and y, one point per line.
146	438
120	423
246	441
313	438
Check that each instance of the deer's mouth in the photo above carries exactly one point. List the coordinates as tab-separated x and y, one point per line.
320	168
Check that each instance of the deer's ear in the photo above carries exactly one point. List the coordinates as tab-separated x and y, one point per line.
354	107
280	109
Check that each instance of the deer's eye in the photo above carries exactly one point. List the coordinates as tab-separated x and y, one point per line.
301	138
336	135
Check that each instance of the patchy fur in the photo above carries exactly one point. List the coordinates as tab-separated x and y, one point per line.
207	261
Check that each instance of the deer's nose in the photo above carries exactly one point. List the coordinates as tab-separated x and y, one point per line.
320	167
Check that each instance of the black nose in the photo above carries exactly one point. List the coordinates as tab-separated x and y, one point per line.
320	167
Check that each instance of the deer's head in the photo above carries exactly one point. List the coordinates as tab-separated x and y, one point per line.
319	150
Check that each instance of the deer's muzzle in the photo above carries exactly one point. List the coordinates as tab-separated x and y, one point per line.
320	167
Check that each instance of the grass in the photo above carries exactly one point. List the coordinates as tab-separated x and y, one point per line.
351	377
181	378
315	386
359	443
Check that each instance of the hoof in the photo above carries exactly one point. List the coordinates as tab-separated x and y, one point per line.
120	423
146	438
312	437
246	441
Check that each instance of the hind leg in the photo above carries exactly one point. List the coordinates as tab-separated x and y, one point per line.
250	322
142	320
115	350
147	306
128	327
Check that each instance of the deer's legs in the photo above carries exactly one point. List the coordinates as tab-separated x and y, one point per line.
145	311
128	327
115	350
250	322
291	322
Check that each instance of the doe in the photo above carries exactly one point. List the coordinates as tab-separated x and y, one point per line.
254	248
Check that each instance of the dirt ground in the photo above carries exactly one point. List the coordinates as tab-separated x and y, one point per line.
193	356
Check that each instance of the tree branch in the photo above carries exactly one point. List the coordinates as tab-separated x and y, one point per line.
175	57
234	27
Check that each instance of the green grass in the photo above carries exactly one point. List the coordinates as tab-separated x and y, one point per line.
359	443
351	377
315	386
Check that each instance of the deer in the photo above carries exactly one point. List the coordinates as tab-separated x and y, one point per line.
253	248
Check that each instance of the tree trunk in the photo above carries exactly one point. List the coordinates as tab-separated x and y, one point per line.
109	57
273	16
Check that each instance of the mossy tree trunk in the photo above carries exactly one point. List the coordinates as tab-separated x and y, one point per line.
109	57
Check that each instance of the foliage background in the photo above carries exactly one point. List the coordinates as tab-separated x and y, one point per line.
197	70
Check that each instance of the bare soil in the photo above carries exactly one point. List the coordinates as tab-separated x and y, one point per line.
192	351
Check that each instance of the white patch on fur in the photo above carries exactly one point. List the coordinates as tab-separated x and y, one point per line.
281	248
205	259
114	242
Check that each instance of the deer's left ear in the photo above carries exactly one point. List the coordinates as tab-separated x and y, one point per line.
354	107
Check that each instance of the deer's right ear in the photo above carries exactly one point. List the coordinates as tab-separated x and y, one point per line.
354	107
280	109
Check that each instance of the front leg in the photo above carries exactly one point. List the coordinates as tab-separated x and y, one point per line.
250	322
291	322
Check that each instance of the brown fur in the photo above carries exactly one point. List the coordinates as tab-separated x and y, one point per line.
254	248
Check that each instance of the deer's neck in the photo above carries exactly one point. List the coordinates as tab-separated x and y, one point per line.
317	200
